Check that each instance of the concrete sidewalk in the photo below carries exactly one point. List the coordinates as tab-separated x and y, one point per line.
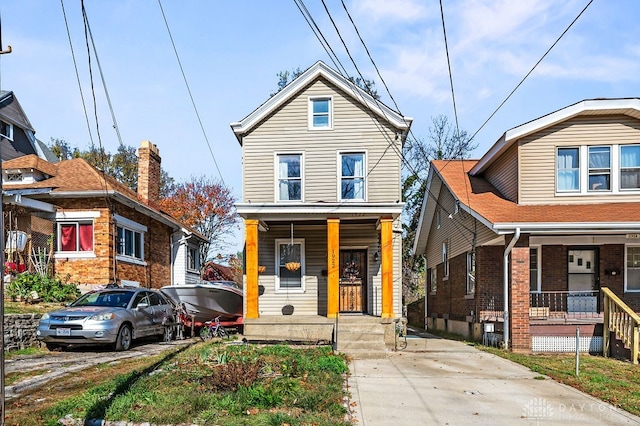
442	382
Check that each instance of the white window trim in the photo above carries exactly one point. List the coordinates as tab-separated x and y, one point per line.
339	176
438	218
75	216
445	259
310	112
130	225
538	269
469	256
626	275
276	174
583	155
284	241
10	127
197	251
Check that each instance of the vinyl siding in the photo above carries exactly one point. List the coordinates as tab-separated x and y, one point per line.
313	301
503	174
538	153
354	129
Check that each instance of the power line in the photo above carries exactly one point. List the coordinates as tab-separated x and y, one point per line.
186	82
446	47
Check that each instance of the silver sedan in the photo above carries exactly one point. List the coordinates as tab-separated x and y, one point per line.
115	316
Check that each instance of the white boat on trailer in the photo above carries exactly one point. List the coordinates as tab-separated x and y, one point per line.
207	300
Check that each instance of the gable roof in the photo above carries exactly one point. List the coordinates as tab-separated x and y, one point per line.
484	202
624	106
11	111
76	178
319	69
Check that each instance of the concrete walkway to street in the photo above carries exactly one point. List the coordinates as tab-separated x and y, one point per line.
443	382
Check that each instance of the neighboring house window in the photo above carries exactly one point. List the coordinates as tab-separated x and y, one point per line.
320	113
289	251
534	282
599	168
6	130
445	258
289	177
568	169
75	236
434	280
630	167
193	258
130	240
471	272
438	215
352	176
633	269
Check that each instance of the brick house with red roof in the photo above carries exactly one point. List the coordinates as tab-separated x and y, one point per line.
524	238
80	223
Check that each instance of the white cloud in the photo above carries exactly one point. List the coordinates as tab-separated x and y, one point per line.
392	10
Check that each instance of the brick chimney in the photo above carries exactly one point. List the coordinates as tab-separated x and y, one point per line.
149	172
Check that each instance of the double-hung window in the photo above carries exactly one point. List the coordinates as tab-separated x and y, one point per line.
568	169
632	276
599	168
352	176
320	113
630	167
130	240
289	177
290	253
75	236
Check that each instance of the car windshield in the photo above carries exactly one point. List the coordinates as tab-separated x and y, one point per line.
115	299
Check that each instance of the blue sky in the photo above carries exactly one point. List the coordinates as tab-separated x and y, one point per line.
231	52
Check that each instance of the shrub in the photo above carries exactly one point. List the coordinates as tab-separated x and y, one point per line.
49	289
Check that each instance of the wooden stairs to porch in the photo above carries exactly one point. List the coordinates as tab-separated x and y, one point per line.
621	321
362	337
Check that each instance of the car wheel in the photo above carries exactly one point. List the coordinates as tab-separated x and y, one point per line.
123	341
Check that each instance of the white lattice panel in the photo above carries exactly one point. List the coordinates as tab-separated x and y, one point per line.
566	344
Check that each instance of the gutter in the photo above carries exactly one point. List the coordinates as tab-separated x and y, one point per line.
505	262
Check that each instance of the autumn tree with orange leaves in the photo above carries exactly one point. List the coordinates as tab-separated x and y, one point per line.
205	205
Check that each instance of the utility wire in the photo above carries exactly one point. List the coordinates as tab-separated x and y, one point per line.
75	66
446	47
186	82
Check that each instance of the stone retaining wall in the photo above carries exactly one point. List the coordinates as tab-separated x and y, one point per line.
20	331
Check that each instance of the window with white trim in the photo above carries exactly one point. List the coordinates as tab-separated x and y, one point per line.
630	167
320	113
130	243
599	168
193	258
568	169
445	258
75	236
6	130
534	268
352	176
290	264
289	182
632	275
471	272
438	218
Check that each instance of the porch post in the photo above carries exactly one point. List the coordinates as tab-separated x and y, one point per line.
333	274
387	266
519	323
251	265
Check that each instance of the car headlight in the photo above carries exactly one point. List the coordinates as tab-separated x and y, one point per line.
44	317
103	317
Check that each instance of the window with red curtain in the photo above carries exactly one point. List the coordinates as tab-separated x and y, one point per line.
76	236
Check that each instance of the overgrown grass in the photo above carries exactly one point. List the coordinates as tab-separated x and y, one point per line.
11	307
213	383
613	381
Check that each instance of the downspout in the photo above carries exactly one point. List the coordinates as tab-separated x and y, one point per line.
507	251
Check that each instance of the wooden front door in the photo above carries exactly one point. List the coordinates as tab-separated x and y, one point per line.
353	280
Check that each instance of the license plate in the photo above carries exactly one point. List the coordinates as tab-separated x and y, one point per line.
63	332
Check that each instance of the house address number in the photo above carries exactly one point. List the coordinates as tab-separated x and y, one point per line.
633	236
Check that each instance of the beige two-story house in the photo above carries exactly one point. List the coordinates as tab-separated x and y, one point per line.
321	201
526	237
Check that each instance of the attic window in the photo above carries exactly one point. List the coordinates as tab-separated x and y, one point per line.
6	130
14	177
320	113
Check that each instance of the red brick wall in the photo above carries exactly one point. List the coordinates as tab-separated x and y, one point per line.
519	295
99	270
554	268
489	278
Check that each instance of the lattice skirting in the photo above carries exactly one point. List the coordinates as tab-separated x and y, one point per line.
591	344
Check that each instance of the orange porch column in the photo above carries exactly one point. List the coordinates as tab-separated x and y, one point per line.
333	274
251	265
387	266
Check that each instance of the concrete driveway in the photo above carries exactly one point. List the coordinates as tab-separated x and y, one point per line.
442	382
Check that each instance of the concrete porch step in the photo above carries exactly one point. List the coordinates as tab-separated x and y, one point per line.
361	337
